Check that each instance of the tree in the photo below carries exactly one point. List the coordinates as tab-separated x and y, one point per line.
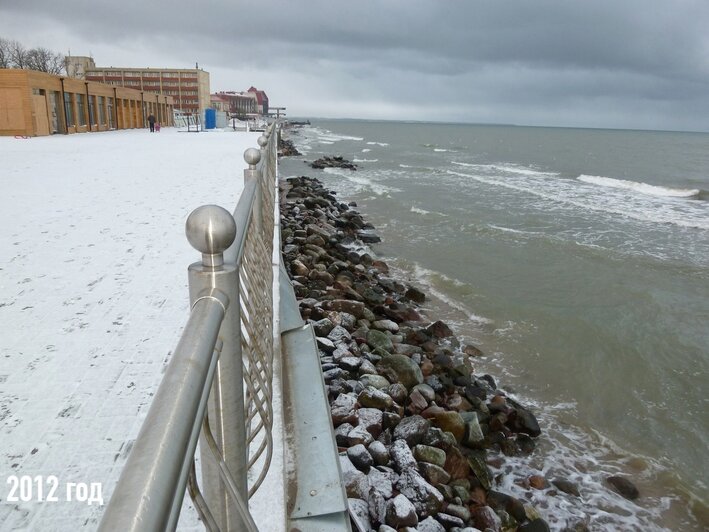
45	60
4	53
18	55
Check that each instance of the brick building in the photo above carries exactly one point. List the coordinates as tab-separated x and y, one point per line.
188	87
240	104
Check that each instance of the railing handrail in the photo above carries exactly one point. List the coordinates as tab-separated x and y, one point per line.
217	386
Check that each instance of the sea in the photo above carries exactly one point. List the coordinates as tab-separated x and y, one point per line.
578	261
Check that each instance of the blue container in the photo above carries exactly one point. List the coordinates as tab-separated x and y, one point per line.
210	119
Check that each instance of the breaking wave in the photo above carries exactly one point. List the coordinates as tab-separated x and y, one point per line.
643	188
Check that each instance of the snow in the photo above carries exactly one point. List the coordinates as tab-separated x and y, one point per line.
93	297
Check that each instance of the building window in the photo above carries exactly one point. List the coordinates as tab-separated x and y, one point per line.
80	109
111	122
101	110
92	113
69	110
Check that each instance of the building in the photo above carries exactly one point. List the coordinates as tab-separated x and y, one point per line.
35	103
188	87
240	104
261	99
77	65
219	103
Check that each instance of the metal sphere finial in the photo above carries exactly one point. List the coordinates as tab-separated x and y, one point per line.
252	156
262	141
210	229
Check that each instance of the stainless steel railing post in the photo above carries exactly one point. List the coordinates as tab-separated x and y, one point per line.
253	156
206	231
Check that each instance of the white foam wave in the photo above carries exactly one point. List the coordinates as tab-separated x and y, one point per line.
643	188
365	150
419	211
440	149
326	142
427	277
365	160
405	166
644	211
361	181
378	143
509	168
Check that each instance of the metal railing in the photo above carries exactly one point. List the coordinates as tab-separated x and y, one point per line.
217	388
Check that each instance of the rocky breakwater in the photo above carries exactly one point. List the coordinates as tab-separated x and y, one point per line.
332	162
286	148
417	428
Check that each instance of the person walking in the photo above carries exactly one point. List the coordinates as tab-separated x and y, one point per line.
151	121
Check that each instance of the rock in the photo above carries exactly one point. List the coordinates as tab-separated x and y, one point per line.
398	392
356	308
525	422
411	430
350	364
359	511
535	525
417	402
356	482
623	486
373	398
434	474
566	486
341	433
322	327
461	512
473	436
379	340
430	455
386	325
377	505
481	471
332	162
371	420
338	334
456	464
401	456
439	329
431	525
379	453
416	295
399	368
325	344
485	518
360	457
450	422
401	512
359	435
342	410
381	482
375	381
425	498
449	521
538	482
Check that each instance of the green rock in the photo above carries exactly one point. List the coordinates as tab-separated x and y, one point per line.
480	470
376	381
430	455
379	340
400	368
474	436
450	422
371	397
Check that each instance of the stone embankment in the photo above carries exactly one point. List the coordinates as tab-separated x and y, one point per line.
415	425
333	162
286	148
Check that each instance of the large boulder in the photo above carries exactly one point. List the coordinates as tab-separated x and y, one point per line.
400	368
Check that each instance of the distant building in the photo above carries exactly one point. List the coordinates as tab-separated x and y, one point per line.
77	65
238	103
219	103
35	103
188	87
261	99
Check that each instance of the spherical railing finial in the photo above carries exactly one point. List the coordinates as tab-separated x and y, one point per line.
252	156
210	229
262	141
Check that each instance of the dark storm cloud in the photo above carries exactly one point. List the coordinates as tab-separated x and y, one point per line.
631	63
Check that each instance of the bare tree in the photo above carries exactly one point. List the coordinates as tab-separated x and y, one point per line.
4	53
18	55
44	60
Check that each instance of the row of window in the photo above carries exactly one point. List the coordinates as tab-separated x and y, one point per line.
139	73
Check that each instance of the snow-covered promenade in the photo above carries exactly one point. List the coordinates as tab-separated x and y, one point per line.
93	296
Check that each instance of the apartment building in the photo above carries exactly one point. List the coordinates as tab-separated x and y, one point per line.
240	104
35	103
188	87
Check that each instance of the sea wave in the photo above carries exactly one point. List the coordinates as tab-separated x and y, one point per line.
643	188
514	169
371	143
419	211
643	210
361	182
365	160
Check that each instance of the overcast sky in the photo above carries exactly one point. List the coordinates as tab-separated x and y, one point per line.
596	63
